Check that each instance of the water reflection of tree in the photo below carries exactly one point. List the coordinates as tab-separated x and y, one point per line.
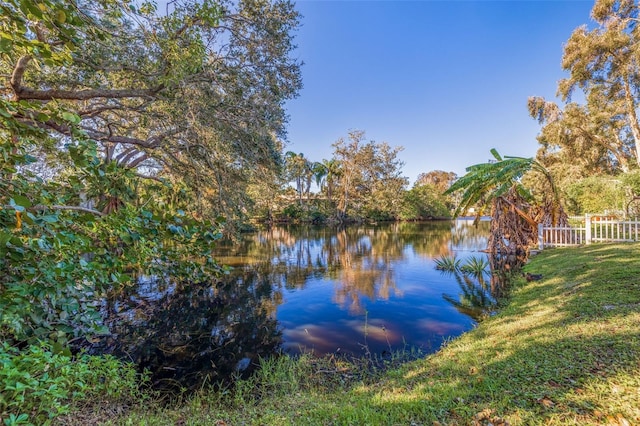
503	267
196	332
476	298
480	297
362	265
292	253
358	259
190	332
468	234
432	239
441	238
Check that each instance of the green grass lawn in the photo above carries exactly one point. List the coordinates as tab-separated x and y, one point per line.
565	350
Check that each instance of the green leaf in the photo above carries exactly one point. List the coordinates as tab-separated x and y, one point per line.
61	17
50	218
71	117
6	46
28	159
103	329
20	200
31	7
42	117
4	239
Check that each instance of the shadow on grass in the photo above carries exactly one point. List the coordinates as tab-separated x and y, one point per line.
538	382
565	351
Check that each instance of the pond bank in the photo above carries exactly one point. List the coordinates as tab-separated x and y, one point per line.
566	350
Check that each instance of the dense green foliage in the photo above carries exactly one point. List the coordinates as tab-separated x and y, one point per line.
37	385
597	194
57	261
424	202
105	170
193	94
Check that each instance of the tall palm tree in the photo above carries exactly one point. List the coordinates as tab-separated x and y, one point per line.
333	171
309	175
297	170
320	173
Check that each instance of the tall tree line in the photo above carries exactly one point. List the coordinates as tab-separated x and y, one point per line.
363	180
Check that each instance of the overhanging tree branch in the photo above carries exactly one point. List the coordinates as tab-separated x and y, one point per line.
83	95
41	207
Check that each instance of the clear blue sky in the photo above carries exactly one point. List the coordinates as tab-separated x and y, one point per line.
447	80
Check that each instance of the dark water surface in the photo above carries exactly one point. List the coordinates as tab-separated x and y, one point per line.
357	290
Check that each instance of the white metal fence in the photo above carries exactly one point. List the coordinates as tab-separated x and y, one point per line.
592	228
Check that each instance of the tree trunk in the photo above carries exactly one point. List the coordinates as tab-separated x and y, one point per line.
633	117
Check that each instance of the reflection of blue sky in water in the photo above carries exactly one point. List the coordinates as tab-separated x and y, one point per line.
396	296
298	288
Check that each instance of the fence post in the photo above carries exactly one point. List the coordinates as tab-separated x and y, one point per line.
587	228
540	237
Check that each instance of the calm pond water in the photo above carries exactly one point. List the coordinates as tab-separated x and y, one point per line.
358	290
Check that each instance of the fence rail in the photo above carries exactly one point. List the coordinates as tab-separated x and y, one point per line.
594	228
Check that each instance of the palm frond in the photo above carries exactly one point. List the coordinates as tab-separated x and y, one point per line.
476	266
447	263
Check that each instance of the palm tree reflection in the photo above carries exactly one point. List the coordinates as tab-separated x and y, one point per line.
477	298
480	296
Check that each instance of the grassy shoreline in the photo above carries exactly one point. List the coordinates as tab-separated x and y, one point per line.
565	350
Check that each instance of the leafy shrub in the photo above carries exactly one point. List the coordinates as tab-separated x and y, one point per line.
423	202
378	215
37	385
292	211
60	263
56	262
596	194
317	216
632	181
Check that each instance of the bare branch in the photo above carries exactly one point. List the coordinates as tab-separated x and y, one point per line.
82	95
41	207
18	72
157	179
87	94
92	112
126	154
136	162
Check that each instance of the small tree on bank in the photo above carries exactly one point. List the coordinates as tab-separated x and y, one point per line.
514	210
